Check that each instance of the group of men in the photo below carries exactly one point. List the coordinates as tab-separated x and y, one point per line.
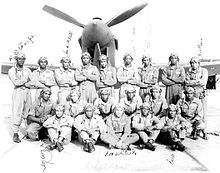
86	104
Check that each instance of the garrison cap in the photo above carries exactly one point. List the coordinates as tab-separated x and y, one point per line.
189	90
59	107
172	107
104	91
65	59
130	89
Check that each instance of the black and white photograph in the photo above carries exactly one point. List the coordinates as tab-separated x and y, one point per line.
102	86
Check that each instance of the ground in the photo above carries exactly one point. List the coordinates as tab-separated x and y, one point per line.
201	155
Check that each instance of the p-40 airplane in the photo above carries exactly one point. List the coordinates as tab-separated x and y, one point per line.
97	37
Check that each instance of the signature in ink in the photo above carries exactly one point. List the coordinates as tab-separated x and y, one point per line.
46	157
29	40
66	51
120	153
171	160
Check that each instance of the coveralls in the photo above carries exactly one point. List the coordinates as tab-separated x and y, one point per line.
119	129
173	78
87	84
21	97
66	81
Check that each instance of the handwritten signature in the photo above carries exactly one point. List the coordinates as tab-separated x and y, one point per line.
29	40
120	153
171	160
46	157
66	51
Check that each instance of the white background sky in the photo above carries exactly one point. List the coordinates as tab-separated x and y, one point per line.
164	25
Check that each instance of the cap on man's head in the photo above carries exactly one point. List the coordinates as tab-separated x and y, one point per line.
104	91
195	59
172	107
89	106
86	54
42	59
127	55
103	57
119	106
46	90
18	54
146	56
146	105
59	107
156	87
173	54
189	90
130	89
65	59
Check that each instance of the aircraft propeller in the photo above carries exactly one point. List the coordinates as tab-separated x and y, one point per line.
62	15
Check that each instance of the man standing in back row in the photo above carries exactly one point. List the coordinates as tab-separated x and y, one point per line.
173	77
21	98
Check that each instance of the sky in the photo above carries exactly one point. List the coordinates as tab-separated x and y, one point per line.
162	27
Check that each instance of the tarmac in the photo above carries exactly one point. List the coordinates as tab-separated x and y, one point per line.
27	156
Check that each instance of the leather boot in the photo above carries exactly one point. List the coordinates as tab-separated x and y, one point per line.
194	134
150	146
16	138
180	146
59	147
86	147
52	146
91	147
204	135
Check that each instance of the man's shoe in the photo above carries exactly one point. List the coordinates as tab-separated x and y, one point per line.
51	146
59	147
194	134
180	146
86	147
16	138
142	146
91	147
150	146
173	146
205	135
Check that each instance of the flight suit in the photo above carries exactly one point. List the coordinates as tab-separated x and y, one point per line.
118	130
21	97
66	81
59	128
198	80
107	79
173	78
131	106
87	84
192	112
39	109
42	79
140	124
104	109
127	76
176	128
149	77
158	106
89	129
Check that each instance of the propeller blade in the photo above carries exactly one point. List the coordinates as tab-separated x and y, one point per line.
126	14
61	15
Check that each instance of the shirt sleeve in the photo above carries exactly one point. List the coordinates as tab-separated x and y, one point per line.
165	79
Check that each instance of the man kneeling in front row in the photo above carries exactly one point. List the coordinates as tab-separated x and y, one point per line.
147	126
